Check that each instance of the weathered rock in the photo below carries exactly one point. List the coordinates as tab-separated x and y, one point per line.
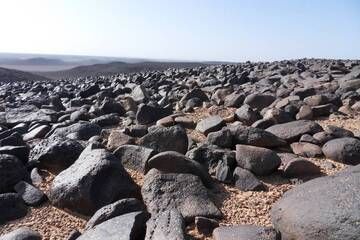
134	157
174	162
205	225
11	172
323	208
89	91
118	138
38	132
248	232
345	150
292	131
166	139
80	131
166	225
31	195
246	181
259	101
299	167
11	207
77	187
107	120
56	153
147	114
130	226
305	149
246	115
115	209
210	124
21	152
22	233
260	161
184	192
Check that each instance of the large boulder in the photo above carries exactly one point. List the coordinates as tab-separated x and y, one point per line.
166	225
130	226
292	131
77	187
345	150
323	208
12	171
260	161
56	153
184	192
166	139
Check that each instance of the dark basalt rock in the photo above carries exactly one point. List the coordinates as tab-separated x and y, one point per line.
323	208
246	181
31	195
130	226
23	233
77	187
12	171
134	157
292	131
11	207
56	153
166	225
166	139
345	150
248	232
115	209
184	192
260	161
147	114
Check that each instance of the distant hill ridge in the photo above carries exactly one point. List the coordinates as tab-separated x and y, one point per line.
10	75
118	67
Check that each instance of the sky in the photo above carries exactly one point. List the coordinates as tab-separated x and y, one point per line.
206	30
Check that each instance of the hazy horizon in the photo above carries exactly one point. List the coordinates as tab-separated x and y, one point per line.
191	31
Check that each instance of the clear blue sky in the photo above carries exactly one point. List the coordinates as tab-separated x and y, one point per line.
233	30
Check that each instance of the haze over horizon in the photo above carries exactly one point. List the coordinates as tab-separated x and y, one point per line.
187	30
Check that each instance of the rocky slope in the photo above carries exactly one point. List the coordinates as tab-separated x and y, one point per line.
10	75
223	152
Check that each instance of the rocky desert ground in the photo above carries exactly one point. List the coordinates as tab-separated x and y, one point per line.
250	151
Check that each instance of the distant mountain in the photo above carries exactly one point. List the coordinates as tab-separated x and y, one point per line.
117	67
10	75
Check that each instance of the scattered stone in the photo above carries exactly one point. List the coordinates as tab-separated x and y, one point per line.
292	131
260	161
248	232
205	225
345	150
246	181
31	195
11	172
305	149
210	124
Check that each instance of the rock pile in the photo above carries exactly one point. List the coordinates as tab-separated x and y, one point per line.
91	132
